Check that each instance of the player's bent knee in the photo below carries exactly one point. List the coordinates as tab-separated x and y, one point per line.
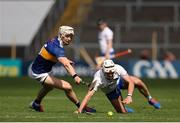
136	80
68	87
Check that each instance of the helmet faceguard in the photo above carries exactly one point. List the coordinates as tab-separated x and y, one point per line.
108	69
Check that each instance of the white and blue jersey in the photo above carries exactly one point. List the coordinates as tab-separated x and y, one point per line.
47	57
103	37
108	85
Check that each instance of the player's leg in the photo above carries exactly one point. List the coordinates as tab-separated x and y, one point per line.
118	105
64	85
144	91
116	100
43	92
138	84
36	104
141	87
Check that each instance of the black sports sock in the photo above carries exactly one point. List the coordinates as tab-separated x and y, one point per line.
37	101
78	104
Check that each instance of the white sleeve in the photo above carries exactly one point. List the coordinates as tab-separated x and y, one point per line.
96	83
109	35
120	70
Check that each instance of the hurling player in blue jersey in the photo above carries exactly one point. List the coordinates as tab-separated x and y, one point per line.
51	53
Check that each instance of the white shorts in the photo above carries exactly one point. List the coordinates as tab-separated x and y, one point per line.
39	77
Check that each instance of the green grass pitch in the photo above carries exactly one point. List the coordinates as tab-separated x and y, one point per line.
17	93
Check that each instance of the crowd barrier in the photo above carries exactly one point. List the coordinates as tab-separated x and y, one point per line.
10	67
140	68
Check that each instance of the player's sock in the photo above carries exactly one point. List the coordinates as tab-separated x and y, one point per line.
78	104
36	107
37	101
149	97
154	103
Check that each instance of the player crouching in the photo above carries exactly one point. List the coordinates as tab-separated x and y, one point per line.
112	78
106	79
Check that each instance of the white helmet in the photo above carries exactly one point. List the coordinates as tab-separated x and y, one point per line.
65	30
108	66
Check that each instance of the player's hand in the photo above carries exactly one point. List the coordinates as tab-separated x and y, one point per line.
77	80
128	100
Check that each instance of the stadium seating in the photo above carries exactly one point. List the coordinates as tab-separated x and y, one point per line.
133	22
138	28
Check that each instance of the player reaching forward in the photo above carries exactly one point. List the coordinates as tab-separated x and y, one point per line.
51	53
106	78
111	78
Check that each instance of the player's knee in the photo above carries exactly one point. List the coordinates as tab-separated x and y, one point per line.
137	81
68	87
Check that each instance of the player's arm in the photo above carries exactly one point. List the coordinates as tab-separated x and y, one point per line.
130	82
86	99
123	73
93	87
68	66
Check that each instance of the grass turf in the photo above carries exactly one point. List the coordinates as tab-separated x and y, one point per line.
17	93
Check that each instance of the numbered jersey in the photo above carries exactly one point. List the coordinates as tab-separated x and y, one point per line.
47	57
106	85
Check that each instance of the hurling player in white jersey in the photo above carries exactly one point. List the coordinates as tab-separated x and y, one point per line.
106	79
111	78
105	39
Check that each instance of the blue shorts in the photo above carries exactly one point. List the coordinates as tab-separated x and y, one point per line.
114	94
117	92
120	84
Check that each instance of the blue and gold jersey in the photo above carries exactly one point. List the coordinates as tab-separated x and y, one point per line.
48	55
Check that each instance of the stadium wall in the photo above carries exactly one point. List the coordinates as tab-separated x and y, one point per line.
10	68
140	68
154	69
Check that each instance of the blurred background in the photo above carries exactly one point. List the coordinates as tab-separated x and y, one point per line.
149	27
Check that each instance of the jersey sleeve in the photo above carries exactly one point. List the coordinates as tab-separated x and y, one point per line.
96	81
120	70
55	50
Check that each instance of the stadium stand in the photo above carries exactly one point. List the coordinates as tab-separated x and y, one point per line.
45	29
133	22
